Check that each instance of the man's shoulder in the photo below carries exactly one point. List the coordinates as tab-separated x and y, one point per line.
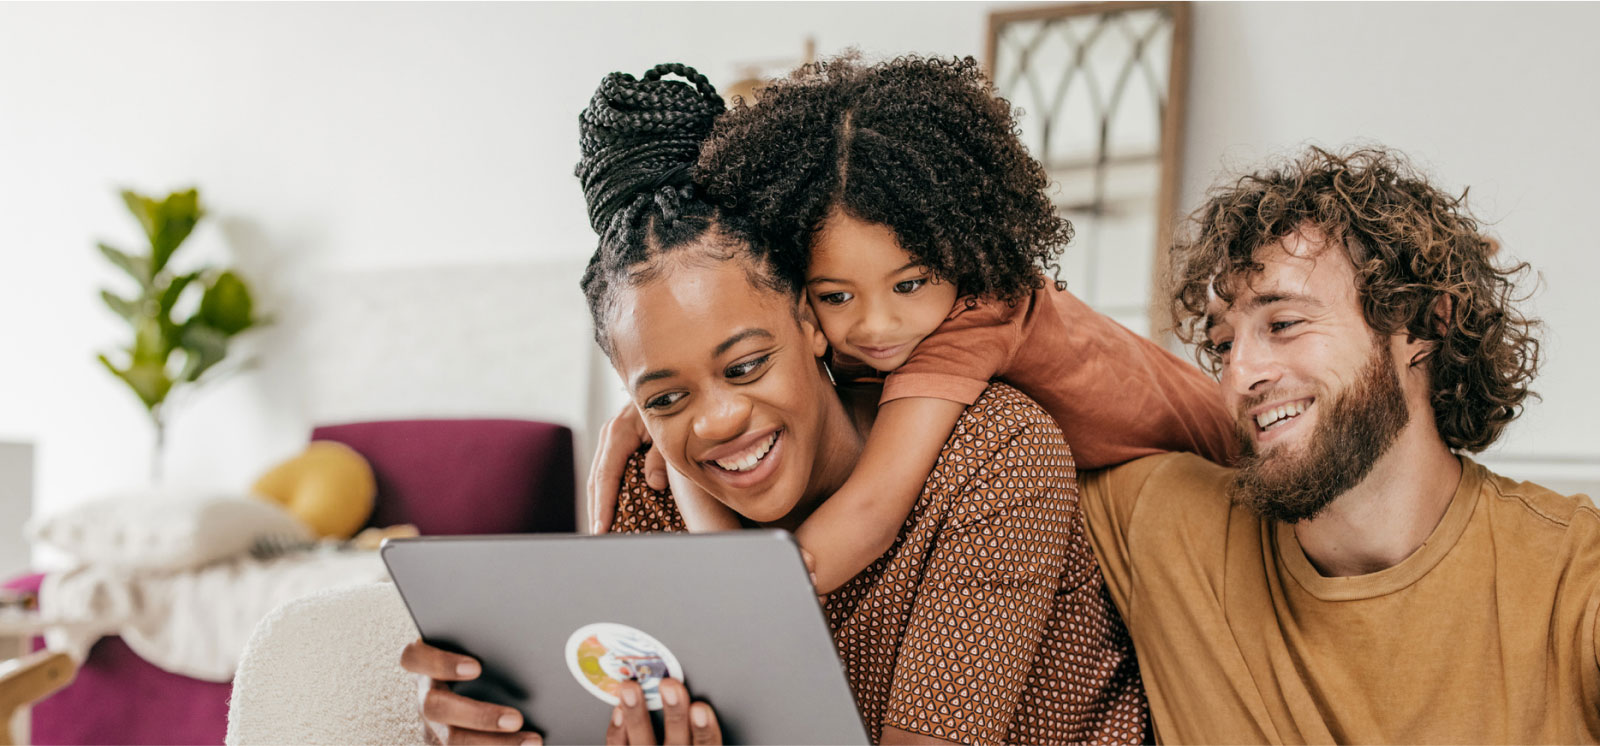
1167	487
1185	473
1535	504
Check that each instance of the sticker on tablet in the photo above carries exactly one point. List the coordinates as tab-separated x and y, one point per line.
603	655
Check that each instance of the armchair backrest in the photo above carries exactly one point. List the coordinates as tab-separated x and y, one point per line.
480	476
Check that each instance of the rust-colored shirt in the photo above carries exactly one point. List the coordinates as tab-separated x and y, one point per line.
1057	349
987	621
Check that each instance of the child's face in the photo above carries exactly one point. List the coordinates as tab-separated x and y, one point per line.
874	302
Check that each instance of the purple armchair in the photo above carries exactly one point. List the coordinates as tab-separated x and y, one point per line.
448	477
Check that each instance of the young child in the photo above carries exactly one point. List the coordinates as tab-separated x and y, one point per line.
922	230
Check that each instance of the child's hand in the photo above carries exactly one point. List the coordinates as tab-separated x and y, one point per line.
619	438
811	564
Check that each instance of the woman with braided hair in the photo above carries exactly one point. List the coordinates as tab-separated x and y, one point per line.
901	198
985	623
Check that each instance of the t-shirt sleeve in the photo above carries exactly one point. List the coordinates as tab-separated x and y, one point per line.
641	509
957	360
987	594
1109	498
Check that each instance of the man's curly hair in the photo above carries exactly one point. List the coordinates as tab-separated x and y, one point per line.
920	145
1412	246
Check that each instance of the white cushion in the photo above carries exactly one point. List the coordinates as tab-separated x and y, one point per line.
325	669
164	530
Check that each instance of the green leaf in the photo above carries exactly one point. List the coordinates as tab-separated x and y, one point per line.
150	344
149	382
123	307
144	209
169	297
137	267
166	223
203	347
226	305
176	219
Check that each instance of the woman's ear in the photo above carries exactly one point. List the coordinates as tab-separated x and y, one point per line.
811	329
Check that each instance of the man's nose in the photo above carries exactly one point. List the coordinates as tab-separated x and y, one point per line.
1252	366
725	415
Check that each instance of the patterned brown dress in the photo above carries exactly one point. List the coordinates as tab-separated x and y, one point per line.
987	621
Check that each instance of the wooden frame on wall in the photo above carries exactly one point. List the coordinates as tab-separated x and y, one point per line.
1039	21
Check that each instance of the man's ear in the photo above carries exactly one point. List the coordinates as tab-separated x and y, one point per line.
810	328
1442	312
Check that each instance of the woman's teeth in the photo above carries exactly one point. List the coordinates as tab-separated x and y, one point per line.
1277	415
748	460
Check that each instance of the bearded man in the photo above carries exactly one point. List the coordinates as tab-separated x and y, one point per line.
1356	578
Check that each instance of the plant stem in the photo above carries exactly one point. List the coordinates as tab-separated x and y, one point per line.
161	444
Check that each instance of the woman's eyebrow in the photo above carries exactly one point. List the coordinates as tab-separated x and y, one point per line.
740	337
724	346
653	375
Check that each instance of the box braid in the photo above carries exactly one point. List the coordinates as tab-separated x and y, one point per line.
639	140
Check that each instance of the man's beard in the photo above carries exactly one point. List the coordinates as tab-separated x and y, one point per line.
1353	431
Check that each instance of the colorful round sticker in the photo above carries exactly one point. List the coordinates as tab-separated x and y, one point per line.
603	655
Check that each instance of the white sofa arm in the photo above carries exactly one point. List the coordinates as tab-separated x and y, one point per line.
325	669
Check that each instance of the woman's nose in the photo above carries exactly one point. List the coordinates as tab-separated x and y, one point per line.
725	415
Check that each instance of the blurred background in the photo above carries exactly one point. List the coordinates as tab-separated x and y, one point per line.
395	182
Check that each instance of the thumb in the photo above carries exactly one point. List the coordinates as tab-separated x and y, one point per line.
655	469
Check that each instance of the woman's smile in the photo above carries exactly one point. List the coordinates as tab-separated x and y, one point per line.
748	461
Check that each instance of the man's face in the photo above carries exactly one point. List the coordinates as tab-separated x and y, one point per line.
726	378
1316	396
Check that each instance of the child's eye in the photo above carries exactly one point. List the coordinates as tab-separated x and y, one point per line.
664	401
910	286
835	299
741	370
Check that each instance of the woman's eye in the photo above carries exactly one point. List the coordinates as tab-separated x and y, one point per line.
910	286
663	401
1221	348
834	299
740	370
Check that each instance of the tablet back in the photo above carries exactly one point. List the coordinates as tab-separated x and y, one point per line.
557	620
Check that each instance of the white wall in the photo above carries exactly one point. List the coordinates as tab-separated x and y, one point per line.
327	139
330	139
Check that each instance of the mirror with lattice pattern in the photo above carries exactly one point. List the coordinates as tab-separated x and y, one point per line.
1100	88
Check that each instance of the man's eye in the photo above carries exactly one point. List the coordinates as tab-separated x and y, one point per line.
740	370
910	286
663	401
1279	326
835	299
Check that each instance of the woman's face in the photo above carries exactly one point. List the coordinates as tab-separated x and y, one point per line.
725	374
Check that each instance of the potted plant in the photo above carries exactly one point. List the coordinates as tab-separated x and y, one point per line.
172	351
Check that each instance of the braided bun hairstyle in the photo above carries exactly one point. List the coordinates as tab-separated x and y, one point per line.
640	139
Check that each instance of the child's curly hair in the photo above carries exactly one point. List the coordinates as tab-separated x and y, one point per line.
920	145
1412	245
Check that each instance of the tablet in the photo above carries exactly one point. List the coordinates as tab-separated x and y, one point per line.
559	620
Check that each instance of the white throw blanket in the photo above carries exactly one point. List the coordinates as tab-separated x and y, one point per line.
192	622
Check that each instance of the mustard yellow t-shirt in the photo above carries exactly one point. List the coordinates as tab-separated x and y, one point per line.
1485	634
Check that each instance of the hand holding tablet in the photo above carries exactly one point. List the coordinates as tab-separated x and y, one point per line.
633	636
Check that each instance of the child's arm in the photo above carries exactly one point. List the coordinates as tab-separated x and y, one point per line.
858	523
701	512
